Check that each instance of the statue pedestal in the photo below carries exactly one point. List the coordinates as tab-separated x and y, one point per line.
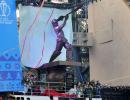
61	64
57	72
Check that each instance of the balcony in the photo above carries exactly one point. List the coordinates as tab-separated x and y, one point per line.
82	39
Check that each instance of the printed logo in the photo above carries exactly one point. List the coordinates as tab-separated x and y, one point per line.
4	8
5	12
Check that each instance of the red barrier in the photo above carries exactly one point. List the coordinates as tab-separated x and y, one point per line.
54	93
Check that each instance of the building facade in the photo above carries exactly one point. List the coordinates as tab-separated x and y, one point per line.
109	26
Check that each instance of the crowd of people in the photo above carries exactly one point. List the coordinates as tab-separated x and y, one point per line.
87	89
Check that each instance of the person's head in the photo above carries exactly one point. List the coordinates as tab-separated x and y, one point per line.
54	22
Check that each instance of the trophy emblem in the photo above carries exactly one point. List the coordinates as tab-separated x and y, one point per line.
4	9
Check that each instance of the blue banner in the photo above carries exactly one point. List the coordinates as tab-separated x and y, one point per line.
10	67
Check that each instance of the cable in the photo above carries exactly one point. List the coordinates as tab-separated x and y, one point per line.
30	27
37	66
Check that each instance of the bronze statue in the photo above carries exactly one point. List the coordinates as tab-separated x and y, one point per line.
61	40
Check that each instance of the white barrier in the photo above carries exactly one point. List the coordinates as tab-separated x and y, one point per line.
55	98
96	98
32	97
43	97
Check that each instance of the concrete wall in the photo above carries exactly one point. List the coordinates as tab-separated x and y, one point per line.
109	24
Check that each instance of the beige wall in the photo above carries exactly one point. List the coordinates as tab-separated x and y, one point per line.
109	21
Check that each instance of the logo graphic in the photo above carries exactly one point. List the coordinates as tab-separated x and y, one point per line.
5	12
4	9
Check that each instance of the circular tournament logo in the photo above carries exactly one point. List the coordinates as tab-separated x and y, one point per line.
4	9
